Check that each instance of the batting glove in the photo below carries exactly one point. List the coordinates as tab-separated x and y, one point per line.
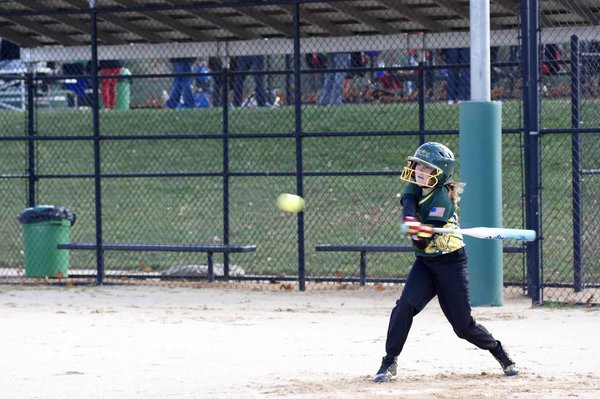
425	231
411	225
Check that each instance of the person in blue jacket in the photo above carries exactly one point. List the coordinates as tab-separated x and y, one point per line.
182	85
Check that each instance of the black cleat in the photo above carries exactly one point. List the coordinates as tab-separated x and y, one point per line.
387	371
508	366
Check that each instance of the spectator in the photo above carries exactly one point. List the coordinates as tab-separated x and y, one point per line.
590	67
428	60
352	93
79	86
459	79
203	83
413	60
108	86
244	64
552	59
216	66
333	84
182	85
314	81
357	60
372	61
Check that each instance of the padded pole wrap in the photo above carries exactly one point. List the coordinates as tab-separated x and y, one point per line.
481	204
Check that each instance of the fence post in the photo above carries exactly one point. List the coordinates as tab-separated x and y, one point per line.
576	163
97	139
298	131
30	87
225	103
531	124
421	86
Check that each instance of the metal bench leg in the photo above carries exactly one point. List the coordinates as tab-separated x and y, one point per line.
211	273
363	267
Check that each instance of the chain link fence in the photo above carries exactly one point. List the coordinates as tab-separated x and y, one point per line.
190	144
570	67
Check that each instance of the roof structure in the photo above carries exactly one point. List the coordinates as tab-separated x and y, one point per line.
36	23
61	29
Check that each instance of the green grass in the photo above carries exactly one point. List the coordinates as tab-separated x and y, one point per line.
340	209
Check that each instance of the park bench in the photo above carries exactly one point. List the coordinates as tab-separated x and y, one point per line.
364	248
210	249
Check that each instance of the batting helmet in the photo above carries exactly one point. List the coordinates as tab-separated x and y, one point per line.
436	156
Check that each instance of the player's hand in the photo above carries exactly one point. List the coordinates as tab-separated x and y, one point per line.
425	231
411	224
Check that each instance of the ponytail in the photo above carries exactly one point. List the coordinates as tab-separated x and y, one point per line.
455	189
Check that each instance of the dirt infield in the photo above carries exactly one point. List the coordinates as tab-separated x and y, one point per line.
157	342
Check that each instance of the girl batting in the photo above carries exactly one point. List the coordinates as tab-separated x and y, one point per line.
431	199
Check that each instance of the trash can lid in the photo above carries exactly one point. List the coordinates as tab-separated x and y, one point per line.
42	213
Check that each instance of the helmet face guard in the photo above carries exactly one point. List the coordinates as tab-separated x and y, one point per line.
433	155
412	175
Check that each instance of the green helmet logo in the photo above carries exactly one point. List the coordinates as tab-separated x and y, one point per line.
436	156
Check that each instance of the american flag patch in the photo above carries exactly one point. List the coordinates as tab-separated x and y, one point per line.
437	211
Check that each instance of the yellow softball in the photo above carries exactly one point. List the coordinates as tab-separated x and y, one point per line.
290	203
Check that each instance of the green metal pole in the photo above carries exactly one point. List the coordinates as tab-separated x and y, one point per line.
481	204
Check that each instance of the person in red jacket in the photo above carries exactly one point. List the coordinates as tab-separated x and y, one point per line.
108	86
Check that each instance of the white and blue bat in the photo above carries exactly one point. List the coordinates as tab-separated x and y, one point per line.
492	233
489	233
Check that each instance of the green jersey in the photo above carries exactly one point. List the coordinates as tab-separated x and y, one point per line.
437	207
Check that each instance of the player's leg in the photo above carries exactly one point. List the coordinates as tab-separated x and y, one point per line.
451	282
417	293
501	355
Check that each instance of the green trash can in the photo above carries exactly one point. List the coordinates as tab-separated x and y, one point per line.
123	90
44	227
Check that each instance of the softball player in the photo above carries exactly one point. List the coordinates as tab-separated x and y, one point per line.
431	199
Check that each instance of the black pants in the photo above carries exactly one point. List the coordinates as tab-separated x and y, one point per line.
446	277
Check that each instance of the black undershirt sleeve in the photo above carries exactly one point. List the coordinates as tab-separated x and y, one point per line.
409	208
409	205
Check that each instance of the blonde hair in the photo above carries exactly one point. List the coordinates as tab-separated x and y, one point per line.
455	189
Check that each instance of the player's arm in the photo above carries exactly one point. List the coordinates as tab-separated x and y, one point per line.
411	221
420	233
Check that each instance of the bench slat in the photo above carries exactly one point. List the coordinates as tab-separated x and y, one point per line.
224	248
208	248
364	247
